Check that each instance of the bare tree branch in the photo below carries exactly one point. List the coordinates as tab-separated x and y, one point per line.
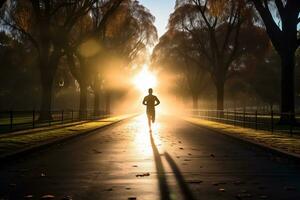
24	33
280	7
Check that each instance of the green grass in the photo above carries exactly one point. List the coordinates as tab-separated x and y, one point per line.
281	141
17	142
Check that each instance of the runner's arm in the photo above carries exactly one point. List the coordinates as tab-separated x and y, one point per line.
157	101
144	102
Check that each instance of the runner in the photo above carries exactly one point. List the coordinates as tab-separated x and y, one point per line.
150	102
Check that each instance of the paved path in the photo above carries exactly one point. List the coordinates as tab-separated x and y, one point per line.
176	161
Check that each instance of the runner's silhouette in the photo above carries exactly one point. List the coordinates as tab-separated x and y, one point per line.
150	101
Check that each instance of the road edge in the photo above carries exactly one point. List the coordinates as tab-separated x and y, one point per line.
278	151
44	145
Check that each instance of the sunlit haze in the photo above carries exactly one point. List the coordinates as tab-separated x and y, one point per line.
145	79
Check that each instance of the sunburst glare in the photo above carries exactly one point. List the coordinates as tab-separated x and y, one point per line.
145	79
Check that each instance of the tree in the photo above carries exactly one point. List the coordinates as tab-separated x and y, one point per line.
175	52
284	37
218	28
47	25
126	35
18	74
207	21
116	30
85	44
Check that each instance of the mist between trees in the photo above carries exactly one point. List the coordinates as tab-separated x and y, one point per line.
243	51
219	54
51	49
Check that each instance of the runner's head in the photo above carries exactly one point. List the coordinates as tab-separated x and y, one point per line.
150	90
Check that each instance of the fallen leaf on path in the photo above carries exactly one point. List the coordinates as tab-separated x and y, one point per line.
67	198
96	151
47	196
195	182
143	175
219	183
244	195
29	196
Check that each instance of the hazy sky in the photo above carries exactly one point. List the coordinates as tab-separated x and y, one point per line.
161	9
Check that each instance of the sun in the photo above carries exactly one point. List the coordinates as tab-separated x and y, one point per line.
145	79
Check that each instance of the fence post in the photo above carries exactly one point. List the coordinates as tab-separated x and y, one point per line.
72	115
227	116
256	120
234	117
244	118
49	120
291	124
272	121
62	116
11	117
33	118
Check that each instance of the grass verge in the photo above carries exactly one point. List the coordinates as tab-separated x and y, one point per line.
19	142
281	142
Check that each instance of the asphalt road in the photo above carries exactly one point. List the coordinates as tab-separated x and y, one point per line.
176	160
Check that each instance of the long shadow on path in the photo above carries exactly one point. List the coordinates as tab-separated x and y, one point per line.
163	185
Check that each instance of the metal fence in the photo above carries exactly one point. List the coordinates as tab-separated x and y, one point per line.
269	121
21	120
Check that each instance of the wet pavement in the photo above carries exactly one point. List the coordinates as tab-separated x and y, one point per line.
176	160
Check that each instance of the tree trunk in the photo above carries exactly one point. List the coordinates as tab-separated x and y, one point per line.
96	88
107	103
47	71
97	103
45	112
220	99
83	100
287	88
195	102
220	96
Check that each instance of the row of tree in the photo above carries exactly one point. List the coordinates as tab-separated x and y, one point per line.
87	36
218	40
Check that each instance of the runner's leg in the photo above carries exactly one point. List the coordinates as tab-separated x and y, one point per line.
149	120
153	116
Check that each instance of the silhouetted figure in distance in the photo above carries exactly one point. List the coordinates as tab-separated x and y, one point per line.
150	102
